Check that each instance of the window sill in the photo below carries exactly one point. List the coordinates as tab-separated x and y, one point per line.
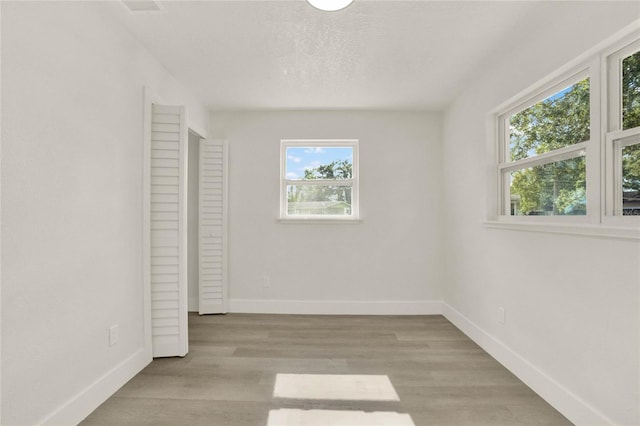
319	221
597	231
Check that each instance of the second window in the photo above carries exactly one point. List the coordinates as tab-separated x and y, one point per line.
319	179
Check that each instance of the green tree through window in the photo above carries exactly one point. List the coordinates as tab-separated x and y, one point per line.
338	170
319	179
631	119
557	188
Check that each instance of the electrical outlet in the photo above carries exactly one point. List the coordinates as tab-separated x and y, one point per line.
501	315
113	335
265	281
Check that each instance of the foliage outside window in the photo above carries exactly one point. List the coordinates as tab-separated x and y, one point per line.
630	155
557	188
319	179
631	91
555	185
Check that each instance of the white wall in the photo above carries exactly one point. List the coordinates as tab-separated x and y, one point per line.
571	302
72	130
391	262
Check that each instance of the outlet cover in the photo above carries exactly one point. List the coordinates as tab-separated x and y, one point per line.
501	315
113	335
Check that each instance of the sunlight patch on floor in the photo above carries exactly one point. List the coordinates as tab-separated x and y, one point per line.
295	417
335	387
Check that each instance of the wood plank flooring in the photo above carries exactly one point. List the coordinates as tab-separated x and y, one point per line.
440	375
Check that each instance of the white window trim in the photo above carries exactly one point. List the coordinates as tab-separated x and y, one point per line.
598	221
354	217
616	138
612	65
615	142
589	148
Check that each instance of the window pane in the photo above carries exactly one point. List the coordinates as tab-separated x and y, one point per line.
631	91
558	121
552	189
318	200
631	180
319	162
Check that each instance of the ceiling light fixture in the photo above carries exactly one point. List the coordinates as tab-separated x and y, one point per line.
330	5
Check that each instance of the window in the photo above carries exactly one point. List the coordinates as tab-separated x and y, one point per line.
545	170
626	157
623	138
568	149
319	179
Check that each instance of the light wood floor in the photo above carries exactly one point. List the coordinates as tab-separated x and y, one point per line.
441	377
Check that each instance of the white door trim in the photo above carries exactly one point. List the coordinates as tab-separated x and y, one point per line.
146	223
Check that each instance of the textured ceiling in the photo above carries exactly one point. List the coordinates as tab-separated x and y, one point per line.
371	55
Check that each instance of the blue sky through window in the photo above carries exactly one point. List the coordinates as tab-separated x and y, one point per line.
559	95
301	158
552	100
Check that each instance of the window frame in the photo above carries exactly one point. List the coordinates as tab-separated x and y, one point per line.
506	166
613	62
354	216
616	141
615	137
601	150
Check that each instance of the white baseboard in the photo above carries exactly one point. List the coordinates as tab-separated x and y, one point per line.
563	400
81	405
333	307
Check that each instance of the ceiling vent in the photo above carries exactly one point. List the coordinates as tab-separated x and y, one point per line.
142	6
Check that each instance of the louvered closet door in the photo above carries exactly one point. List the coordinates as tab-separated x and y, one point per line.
213	288
168	231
